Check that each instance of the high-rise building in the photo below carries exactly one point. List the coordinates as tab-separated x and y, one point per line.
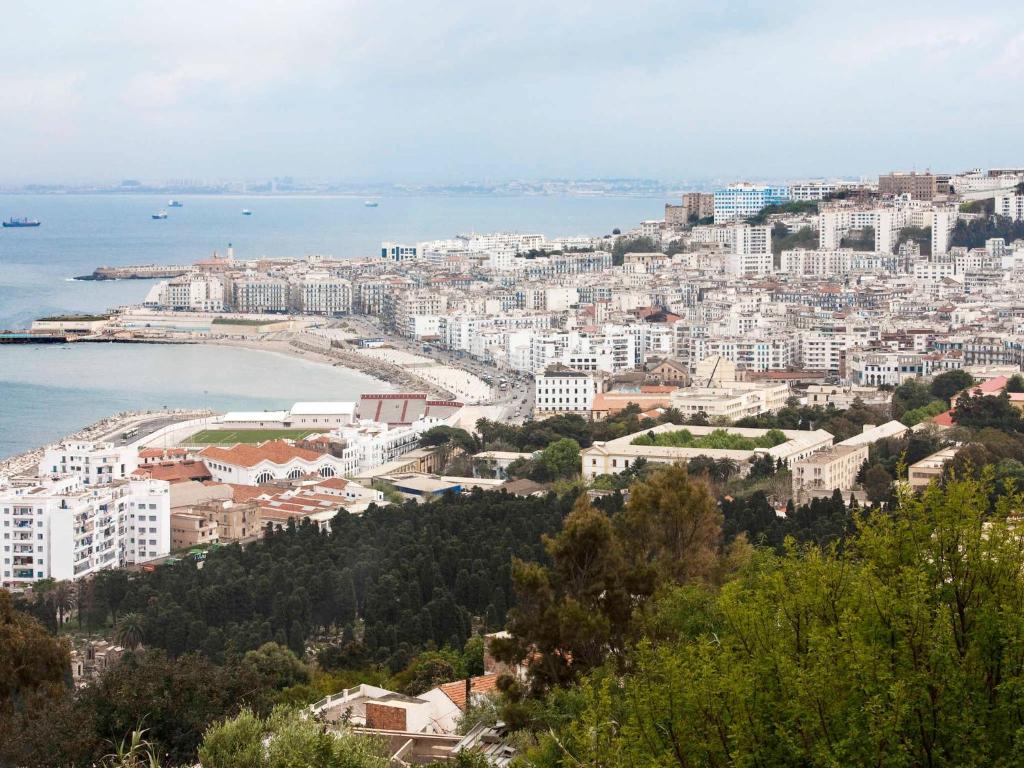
738	201
920	186
1011	205
60	528
751	251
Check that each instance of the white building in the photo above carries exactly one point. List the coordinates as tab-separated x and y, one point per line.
816	263
398	252
321	294
273	460
60	528
731	400
826	471
614	456
92	463
751	251
561	390
738	201
875	368
1010	205
260	294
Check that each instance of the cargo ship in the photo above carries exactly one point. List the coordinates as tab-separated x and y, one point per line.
22	223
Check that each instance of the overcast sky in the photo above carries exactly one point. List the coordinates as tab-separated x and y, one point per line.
416	90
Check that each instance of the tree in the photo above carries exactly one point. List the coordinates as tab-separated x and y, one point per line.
33	660
672	526
574	614
276	666
562	458
287	739
947	384
624	245
900	648
175	699
1015	383
129	631
909	395
430	670
979	411
877	483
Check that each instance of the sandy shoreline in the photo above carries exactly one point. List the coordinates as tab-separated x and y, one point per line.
305	349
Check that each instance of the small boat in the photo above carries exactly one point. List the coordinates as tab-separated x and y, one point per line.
371	203
22	223
160	215
246	212
174	203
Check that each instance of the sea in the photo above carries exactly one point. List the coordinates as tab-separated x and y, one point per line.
51	390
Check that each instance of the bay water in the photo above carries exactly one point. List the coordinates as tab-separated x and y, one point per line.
49	391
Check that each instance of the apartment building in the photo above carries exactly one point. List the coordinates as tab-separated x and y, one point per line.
698	205
1010	205
60	528
563	390
739	201
824	472
816	263
751	251
94	463
322	294
260	294
193	292
920	186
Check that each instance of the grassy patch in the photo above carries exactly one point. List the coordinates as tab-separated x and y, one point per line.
231	321
719	439
72	318
232	436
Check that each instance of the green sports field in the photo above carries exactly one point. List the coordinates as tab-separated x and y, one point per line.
232	436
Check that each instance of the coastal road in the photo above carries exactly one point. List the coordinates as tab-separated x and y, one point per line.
516	399
145	425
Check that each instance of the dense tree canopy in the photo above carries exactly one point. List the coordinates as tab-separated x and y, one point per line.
973	234
399	577
905	647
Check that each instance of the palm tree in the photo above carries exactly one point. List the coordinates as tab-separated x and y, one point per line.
129	632
62	597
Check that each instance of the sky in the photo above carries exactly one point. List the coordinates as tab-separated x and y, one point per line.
440	92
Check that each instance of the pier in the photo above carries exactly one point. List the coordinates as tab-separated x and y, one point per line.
137	272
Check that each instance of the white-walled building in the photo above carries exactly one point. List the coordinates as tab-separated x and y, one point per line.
562	390
614	456
1010	205
60	528
93	463
273	460
751	251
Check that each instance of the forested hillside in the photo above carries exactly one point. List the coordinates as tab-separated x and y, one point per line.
415	575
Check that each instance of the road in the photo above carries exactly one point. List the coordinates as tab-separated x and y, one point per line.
517	399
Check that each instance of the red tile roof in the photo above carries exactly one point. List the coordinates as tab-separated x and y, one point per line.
175	471
240	493
275	451
457	691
